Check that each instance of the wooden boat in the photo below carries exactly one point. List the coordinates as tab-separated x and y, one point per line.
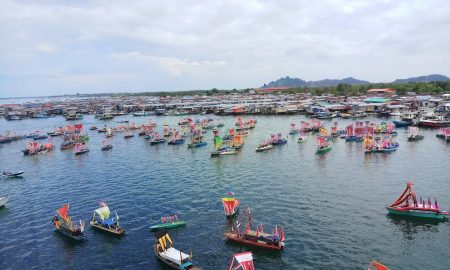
106	145
444	133
3	200
81	149
277	139
322	145
168	222
175	140
408	205
242	261
127	136
413	134
40	137
380	150
34	148
230	205
102	221
223	151
263	147
12	174
255	238
197	144
169	255
66	145
66	227
93	128
197	139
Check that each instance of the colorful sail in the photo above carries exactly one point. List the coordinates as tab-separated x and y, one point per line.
103	212
230	205
64	212
243	261
377	265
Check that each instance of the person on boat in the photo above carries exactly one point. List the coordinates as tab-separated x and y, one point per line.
55	221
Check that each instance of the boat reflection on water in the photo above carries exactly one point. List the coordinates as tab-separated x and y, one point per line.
411	226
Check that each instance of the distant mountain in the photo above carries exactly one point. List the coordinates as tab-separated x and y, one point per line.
429	78
295	82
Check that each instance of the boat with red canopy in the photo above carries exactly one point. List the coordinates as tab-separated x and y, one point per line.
255	238
408	205
66	227
230	205
242	261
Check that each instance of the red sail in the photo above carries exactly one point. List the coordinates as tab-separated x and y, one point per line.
63	212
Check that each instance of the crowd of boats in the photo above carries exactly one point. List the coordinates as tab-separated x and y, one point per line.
241	228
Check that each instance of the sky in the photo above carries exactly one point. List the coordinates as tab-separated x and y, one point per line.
67	47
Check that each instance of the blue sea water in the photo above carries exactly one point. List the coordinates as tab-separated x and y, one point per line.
331	206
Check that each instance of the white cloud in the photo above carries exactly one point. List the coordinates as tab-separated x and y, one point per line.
46	48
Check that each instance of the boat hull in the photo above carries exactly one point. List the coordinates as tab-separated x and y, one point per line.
170	225
157	142
234	238
415	138
265	148
323	150
194	145
3	201
419	214
99	227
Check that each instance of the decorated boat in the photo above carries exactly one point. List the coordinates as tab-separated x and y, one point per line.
128	135
156	138
255	238
242	261
13	174
176	139
223	151
237	142
81	148
197	139
168	222
74	116
230	205
293	130
277	139
413	134
264	146
106	145
322	145
66	144
385	146
349	134
33	148
66	227
444	133
102	221
408	205
169	255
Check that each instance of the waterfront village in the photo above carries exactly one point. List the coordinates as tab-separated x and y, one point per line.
267	101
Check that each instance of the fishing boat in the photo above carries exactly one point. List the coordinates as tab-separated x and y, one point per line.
434	122
102	221
34	148
408	205
3	200
105	116
197	139
374	265
264	146
293	130
74	116
66	227
169	255
277	139
157	139
322	145
242	261
13	174
413	134
128	135
38	136
176	139
106	145
444	133
66	144
385	146
141	113
255	238
168	222
81	149
230	205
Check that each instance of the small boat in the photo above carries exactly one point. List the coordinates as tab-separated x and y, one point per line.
408	205
401	123
322	145
93	128
413	134
12	174
255	238
302	139
374	265
66	145
66	227
264	145
444	133
106	145
37	136
176	139
81	149
129	135
102	221
197	139
223	151
74	116
141	113
385	146
242	261
168	222
169	255
230	205
156	138
278	139
3	200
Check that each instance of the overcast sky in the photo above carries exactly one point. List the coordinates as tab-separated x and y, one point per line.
65	47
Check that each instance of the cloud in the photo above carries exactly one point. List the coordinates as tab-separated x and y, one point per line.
181	44
46	48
